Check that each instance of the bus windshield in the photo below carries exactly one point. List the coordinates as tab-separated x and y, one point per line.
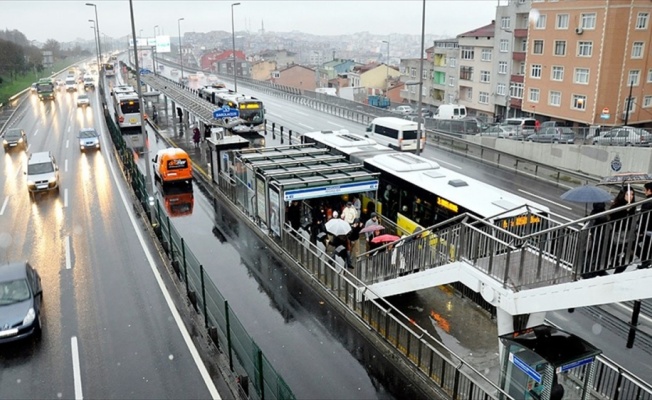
129	107
252	112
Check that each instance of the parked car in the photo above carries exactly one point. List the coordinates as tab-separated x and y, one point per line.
405	110
20	301
553	135
526	126
624	136
500	131
481	124
552	124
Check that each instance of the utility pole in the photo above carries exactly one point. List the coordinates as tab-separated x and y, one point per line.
629	100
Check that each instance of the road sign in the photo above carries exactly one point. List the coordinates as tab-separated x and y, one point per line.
145	71
605	110
226	112
605	113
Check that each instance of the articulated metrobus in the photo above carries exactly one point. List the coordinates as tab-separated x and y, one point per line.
252	111
415	192
109	69
126	109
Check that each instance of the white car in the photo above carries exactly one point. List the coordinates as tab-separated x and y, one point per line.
405	110
42	173
83	100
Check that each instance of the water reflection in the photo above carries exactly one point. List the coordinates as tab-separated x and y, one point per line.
178	198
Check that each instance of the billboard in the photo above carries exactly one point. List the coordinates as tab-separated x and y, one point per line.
162	44
140	42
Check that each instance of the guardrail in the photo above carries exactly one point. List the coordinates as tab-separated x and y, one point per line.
220	321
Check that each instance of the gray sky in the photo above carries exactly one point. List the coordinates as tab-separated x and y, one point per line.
68	20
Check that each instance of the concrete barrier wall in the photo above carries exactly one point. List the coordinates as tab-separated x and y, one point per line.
587	159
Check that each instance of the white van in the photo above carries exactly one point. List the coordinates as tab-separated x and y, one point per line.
397	133
71	84
450	111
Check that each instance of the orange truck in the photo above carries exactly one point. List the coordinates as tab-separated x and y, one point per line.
172	165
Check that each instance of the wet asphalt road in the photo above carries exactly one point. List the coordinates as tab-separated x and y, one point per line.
99	290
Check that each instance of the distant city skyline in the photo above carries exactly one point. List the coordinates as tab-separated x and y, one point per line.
67	21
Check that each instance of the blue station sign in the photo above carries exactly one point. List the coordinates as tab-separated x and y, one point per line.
525	367
226	112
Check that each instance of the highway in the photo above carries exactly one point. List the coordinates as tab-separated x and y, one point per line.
110	327
596	329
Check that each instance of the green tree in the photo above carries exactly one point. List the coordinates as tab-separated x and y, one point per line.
53	46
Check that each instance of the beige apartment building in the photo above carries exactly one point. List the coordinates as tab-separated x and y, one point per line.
583	56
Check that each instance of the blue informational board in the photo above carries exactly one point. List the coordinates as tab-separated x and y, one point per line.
523	366
226	112
325	191
575	364
145	71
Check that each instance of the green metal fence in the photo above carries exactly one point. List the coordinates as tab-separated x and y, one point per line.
221	322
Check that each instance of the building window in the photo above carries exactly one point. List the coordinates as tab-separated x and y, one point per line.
501	89
560	47
516	90
502	68
486	54
483	98
582	76
634	76
579	102
412	89
641	20
588	21
505	22
585	49
535	71
425	74
452	62
276	75
467	53
554	99
534	95
537	48
521	69
649	76
562	21
631	104
637	50
466	73
485	76
541	22
647	101
451	80
468	94
451	98
557	73
504	45
413	72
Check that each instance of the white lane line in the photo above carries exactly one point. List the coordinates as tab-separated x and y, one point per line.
67	143
65	165
36	132
447	163
70	127
301	112
4	205
166	295
544	199
76	369
67	250
641	315
307	126
271	113
333	123
65	198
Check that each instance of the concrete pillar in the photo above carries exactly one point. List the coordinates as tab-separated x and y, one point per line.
165	107
186	126
174	117
536	319
505	323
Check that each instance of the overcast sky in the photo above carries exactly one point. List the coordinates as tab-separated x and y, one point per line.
67	20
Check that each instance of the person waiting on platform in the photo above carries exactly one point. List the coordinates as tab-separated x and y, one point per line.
349	213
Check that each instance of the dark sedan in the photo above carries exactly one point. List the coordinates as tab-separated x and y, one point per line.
20	301
553	135
14	137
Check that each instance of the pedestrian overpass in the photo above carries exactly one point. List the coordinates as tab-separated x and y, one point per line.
563	264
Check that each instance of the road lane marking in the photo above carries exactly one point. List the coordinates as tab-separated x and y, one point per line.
76	370
445	162
67	143
630	309
166	295
307	126
4	205
544	199
70	127
333	123
300	112
67	250
65	165
36	132
65	198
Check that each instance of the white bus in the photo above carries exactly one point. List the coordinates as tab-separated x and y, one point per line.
354	147
251	109
396	133
126	109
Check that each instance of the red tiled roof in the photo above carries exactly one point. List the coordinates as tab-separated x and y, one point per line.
484	31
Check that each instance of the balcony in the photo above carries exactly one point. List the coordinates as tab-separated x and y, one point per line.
518	56
520	33
516	78
515	103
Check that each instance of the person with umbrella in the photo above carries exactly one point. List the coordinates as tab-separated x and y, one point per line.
644	251
354	238
370	234
622	221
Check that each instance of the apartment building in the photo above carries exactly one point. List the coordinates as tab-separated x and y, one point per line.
445	72
475	87
583	58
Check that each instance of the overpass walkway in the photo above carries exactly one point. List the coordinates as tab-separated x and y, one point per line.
560	264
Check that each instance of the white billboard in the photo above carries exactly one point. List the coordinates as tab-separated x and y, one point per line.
162	44
140	42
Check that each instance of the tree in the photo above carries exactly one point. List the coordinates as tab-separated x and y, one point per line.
12	58
53	46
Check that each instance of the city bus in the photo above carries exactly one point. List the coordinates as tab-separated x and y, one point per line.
415	192
109	69
396	133
126	109
252	111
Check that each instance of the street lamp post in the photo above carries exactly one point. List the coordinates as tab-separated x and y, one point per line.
235	76
97	26
154	51
420	103
143	130
97	51
387	69
180	51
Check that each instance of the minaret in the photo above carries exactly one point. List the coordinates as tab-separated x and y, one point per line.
262	27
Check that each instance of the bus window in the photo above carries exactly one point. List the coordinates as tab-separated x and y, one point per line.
129	107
